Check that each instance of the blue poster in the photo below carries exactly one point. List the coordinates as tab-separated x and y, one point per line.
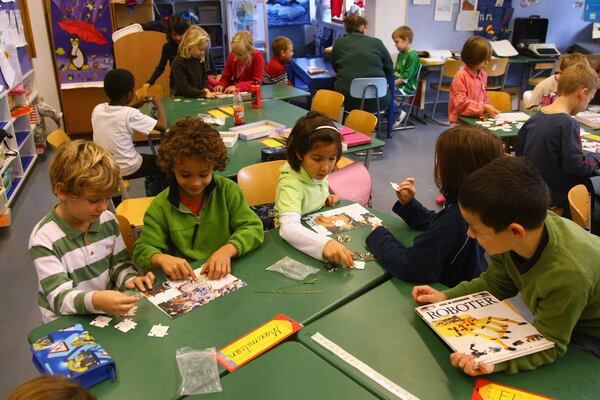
591	12
288	12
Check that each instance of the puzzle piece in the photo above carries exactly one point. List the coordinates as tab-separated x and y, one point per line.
132	311
100	321
344	238
366	257
158	331
359	265
395	186
126	325
329	267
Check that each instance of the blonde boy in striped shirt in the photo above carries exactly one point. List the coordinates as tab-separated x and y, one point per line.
77	249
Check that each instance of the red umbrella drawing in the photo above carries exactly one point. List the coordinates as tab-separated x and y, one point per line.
86	31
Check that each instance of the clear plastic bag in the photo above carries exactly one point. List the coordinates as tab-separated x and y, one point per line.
292	268
199	372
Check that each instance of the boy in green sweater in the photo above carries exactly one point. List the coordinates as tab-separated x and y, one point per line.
550	260
407	66
200	216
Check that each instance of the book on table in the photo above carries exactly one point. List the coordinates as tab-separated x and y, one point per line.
481	325
589	118
353	138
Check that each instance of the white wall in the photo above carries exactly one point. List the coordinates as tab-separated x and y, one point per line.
384	16
45	80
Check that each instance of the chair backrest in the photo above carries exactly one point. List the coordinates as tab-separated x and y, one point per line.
328	102
126	31
579	202
57	138
496	67
259	181
352	182
139	52
361	121
368	88
500	100
127	233
451	67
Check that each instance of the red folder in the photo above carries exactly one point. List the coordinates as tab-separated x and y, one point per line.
353	138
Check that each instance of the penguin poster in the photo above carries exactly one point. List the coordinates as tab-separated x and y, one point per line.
81	35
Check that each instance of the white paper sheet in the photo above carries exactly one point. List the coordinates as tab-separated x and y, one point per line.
8	72
443	10
467	21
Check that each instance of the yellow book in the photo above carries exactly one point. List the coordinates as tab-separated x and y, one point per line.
227	109
218	113
271	143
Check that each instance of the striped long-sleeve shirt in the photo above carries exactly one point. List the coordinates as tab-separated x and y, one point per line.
72	264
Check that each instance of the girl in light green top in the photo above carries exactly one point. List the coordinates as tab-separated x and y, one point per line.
313	149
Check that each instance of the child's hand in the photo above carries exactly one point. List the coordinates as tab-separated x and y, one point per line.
466	362
218	264
209	94
406	191
146	85
156	99
230	89
375	226
398	81
218	89
174	267
427	294
491	110
338	253
113	302
332	200
139	281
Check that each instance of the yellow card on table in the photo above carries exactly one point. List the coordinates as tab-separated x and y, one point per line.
271	143
218	113
593	137
256	342
486	390
226	109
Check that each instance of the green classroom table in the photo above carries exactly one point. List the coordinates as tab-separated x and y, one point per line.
146	366
289	371
382	329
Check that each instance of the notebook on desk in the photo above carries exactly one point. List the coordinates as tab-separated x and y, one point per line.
353	138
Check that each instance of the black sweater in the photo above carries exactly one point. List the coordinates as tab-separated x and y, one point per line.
190	77
442	253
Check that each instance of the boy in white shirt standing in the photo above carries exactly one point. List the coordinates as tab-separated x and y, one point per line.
115	122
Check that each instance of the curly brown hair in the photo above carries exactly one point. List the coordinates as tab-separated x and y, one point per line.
191	137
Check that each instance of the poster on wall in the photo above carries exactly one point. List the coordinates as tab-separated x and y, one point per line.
443	10
288	12
82	44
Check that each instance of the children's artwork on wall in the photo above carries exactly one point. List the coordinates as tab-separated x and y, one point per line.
288	12
81	34
494	20
529	3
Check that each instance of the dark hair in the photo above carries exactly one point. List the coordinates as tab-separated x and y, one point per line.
459	152
476	50
46	387
279	44
304	135
191	137
352	23
177	25
507	190
118	83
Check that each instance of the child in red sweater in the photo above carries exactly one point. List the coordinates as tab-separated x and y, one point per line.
244	65
283	51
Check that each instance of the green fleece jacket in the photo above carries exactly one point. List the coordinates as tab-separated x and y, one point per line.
170	228
562	289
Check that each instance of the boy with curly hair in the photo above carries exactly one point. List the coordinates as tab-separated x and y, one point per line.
200	216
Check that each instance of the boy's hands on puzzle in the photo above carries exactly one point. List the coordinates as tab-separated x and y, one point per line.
490	110
218	264
113	302
174	267
139	282
218	89
230	89
338	253
332	200
406	191
467	363
210	95
427	294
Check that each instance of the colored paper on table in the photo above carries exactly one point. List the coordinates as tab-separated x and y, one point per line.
486	390
227	109
271	143
591	136
256	342
218	113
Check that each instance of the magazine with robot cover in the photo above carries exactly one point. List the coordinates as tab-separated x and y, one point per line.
483	326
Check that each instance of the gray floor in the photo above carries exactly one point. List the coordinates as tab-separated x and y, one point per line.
408	153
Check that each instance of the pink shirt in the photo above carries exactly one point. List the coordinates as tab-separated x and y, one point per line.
468	94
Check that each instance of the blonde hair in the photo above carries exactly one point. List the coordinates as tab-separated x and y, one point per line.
194	37
476	50
566	60
576	77
242	46
47	387
80	165
403	32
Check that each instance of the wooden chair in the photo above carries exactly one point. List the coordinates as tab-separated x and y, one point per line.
450	68
259	181
57	138
579	203
497	69
329	103
361	121
539	72
127	233
500	100
134	209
